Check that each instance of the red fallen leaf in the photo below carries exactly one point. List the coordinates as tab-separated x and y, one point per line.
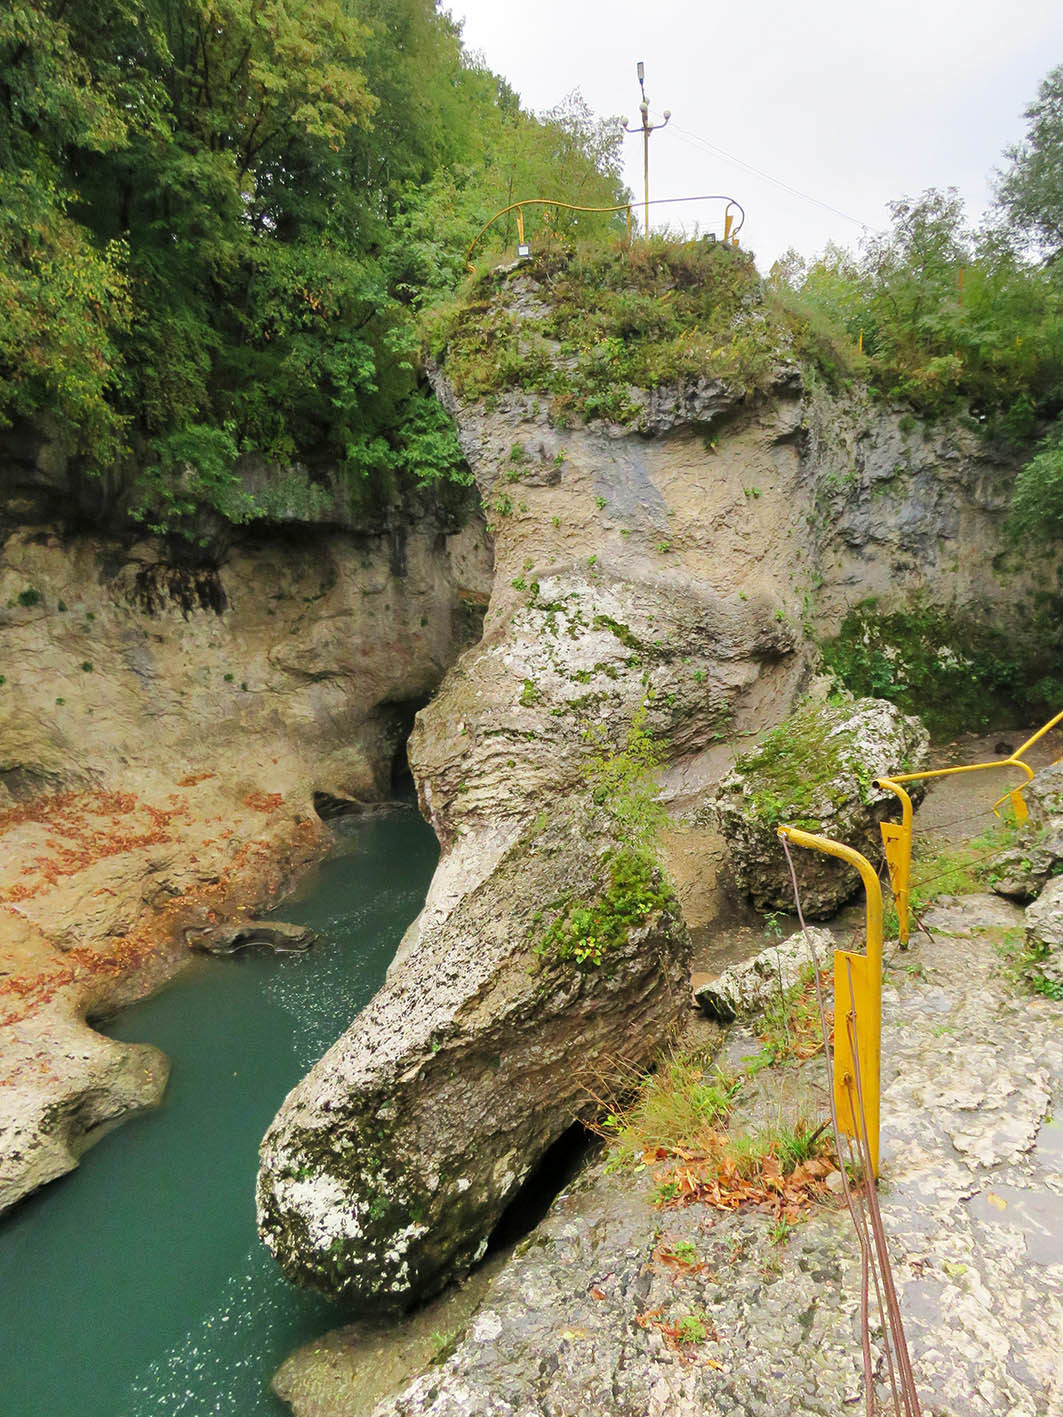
597	1293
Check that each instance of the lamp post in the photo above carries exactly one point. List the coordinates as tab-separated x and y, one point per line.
646	129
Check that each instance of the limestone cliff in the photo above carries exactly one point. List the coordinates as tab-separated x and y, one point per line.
164	727
680	565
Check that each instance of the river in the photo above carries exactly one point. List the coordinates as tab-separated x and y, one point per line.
136	1286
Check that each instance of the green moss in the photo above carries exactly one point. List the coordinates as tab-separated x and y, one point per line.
954	672
624	634
584	933
788	769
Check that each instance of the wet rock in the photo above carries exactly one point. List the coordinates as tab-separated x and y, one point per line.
227	939
815	771
388	1167
1044	934
1044	796
747	988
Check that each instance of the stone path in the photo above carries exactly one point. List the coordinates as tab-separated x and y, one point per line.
972	1199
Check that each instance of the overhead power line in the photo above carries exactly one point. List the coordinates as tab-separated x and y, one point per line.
696	138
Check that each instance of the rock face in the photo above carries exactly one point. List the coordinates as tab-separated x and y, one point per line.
163	729
747	988
815	771
1044	936
391	1163
676	568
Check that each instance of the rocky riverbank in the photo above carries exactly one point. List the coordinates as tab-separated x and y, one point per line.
165	728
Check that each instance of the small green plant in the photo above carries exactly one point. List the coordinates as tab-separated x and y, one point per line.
599	502
444	1345
529	694
29	596
519	583
699	676
682	1106
228	678
691	1328
555	522
684	1252
664	547
61	607
752	492
86	666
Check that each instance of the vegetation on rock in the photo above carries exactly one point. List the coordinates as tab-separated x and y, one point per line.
216	219
952	671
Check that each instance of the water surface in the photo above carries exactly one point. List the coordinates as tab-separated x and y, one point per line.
136	1287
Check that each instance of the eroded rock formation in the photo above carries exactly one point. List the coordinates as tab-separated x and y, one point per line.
680	568
163	729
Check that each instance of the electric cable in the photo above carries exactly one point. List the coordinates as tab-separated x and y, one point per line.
767	177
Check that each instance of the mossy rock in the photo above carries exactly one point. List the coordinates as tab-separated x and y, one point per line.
816	771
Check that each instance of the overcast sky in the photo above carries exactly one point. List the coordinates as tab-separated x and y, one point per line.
853	102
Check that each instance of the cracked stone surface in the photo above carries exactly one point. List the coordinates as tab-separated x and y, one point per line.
972	1200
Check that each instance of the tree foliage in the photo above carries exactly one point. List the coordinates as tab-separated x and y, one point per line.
217	217
1031	189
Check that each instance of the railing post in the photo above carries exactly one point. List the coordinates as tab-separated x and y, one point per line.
897	845
857	1007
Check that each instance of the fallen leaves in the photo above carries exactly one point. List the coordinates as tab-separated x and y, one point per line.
720	1182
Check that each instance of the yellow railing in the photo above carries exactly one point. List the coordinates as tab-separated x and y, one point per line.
730	229
897	838
858	1027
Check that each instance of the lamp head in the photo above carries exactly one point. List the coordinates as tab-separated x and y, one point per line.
641	71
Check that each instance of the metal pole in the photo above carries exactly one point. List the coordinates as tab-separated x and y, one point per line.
647	129
646	173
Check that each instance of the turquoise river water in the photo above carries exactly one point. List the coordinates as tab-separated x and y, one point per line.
136	1287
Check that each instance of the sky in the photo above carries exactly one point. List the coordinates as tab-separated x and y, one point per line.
851	102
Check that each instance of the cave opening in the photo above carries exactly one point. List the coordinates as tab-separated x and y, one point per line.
556	1169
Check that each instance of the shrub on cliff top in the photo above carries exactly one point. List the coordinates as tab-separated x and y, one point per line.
616	316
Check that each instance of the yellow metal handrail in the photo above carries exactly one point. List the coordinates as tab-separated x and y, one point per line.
730	230
897	838
858	978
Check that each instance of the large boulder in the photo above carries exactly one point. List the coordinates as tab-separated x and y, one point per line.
815	771
747	989
390	1164
1044	938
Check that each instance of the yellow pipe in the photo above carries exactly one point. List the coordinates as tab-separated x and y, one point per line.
1039	734
619	207
897	844
858	982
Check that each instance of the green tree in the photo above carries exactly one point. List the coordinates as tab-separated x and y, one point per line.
1030	191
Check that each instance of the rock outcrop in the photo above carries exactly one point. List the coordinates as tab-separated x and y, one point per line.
816	771
227	939
391	1163
164	726
748	988
675	567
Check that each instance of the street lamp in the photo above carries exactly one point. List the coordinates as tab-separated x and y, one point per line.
646	129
